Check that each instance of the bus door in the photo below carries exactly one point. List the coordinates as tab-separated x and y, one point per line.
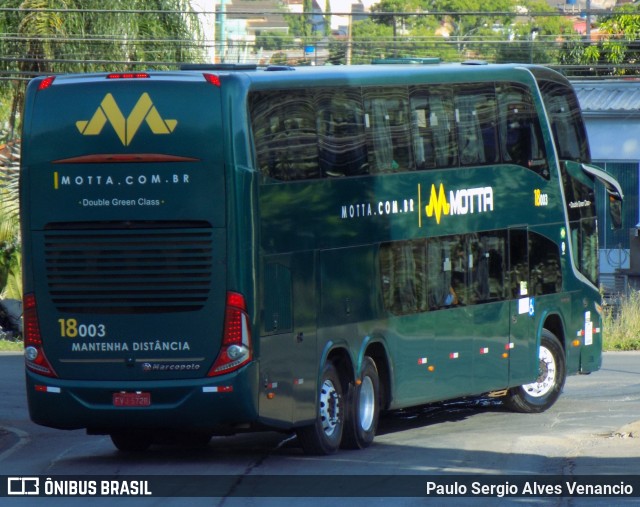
288	339
522	346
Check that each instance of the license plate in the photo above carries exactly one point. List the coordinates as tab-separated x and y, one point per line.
131	399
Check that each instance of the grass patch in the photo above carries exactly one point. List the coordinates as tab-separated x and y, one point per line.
621	324
11	345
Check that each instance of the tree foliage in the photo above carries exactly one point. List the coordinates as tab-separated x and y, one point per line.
616	52
61	36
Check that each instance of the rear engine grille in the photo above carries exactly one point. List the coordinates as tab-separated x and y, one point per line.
134	269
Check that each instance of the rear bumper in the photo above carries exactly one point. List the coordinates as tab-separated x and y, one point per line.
209	404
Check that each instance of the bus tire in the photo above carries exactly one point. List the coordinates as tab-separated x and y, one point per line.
363	408
131	441
325	435
541	394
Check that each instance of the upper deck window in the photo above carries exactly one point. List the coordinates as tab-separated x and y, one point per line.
521	140
388	129
284	126
351	131
341	132
566	121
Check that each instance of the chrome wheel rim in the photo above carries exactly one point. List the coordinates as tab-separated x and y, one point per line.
367	404
329	407
546	375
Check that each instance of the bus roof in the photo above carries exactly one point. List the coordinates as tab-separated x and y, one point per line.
373	74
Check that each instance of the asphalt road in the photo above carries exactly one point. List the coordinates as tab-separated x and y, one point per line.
592	430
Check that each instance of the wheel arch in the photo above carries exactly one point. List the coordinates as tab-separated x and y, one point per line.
553	322
377	351
341	359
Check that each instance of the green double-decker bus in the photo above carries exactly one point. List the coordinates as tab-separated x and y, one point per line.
224	249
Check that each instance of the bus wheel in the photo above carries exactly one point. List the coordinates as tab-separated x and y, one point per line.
324	436
544	391
131	441
363	408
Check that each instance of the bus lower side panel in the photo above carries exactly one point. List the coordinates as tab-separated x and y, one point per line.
214	405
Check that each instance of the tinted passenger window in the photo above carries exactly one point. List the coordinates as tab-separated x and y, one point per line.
476	114
521	139
284	130
388	128
341	135
546	273
566	121
433	127
437	273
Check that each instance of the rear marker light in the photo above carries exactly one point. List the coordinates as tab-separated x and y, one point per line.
212	79
128	75
46	83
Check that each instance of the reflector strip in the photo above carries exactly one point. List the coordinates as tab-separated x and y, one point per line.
47	389
509	346
217	389
272	385
454	355
298	381
422	360
484	350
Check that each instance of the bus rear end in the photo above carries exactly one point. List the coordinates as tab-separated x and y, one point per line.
131	325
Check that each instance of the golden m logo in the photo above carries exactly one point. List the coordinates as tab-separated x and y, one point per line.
126	128
438	204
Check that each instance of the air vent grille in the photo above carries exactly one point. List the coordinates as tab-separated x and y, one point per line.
129	270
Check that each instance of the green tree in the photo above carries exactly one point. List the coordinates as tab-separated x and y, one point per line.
61	36
615	52
10	252
538	40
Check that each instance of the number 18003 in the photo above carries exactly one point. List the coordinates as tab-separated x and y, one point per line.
70	328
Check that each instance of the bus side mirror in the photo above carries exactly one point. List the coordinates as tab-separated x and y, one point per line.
614	192
615	211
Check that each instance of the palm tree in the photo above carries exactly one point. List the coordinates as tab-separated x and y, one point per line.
61	36
10	252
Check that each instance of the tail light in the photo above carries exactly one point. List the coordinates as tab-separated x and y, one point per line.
35	358
236	350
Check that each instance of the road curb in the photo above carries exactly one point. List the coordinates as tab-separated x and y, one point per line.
11	439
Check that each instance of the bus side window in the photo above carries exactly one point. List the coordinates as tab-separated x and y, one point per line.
518	263
433	127
284	131
342	146
422	134
521	139
566	122
470	141
546	273
487	264
387	122
486	118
